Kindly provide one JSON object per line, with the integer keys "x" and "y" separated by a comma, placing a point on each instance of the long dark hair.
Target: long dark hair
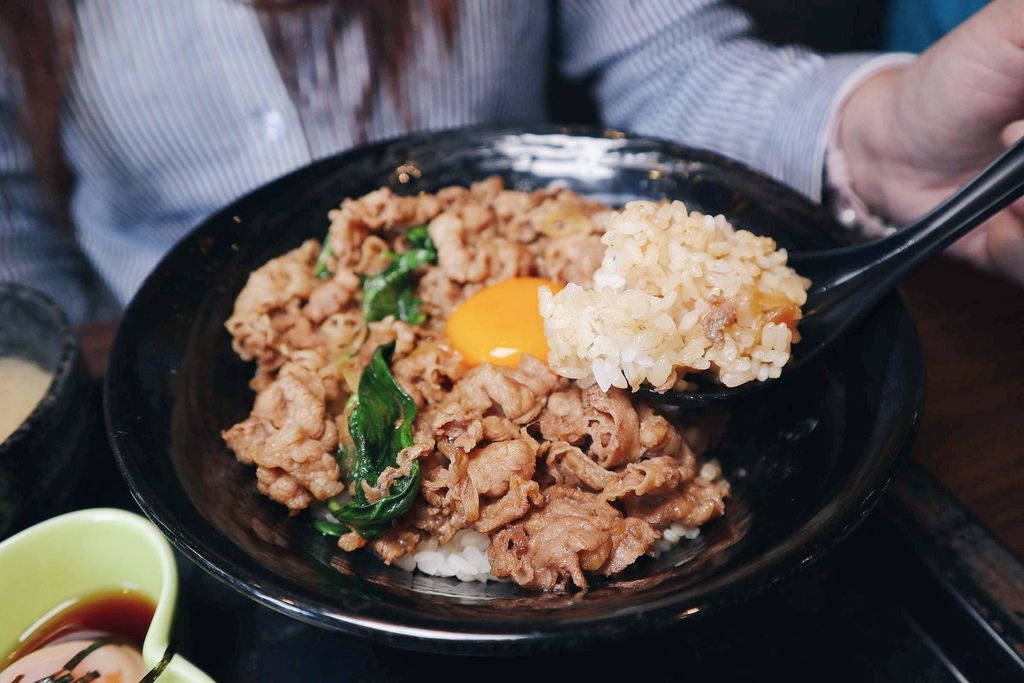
{"x": 38, "y": 37}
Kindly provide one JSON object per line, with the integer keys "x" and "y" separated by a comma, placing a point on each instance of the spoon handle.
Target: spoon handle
{"x": 874, "y": 268}
{"x": 995, "y": 188}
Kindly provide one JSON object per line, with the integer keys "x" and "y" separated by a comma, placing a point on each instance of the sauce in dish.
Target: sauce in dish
{"x": 22, "y": 385}
{"x": 110, "y": 628}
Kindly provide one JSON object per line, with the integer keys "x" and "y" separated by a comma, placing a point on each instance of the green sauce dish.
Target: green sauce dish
{"x": 49, "y": 567}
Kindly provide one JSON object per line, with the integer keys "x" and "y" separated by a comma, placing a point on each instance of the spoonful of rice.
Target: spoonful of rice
{"x": 693, "y": 311}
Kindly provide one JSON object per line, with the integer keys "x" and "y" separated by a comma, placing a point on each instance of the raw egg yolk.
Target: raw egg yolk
{"x": 500, "y": 323}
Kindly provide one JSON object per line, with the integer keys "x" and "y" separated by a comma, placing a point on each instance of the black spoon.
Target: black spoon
{"x": 848, "y": 282}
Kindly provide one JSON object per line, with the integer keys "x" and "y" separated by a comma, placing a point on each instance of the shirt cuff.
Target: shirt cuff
{"x": 849, "y": 207}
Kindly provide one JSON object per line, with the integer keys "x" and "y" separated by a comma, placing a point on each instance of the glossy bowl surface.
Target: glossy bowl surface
{"x": 808, "y": 458}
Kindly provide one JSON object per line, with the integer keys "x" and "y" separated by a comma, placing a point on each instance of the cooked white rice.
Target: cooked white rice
{"x": 673, "y": 534}
{"x": 663, "y": 267}
{"x": 465, "y": 556}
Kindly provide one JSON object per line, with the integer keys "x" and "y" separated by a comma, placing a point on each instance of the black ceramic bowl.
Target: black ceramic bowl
{"x": 808, "y": 457}
{"x": 40, "y": 461}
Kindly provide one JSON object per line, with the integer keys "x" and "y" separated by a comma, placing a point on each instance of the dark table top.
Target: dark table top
{"x": 972, "y": 433}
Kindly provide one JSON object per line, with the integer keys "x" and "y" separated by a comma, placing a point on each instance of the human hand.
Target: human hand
{"x": 913, "y": 136}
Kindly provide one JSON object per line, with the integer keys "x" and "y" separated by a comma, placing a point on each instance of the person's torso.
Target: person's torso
{"x": 175, "y": 108}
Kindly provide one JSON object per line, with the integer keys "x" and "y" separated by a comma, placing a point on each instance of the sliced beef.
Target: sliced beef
{"x": 520, "y": 496}
{"x": 693, "y": 504}
{"x": 343, "y": 332}
{"x": 486, "y": 487}
{"x": 572, "y": 258}
{"x": 646, "y": 477}
{"x": 440, "y": 295}
{"x": 375, "y": 254}
{"x": 448, "y": 488}
{"x": 573, "y": 534}
{"x": 267, "y": 318}
{"x": 512, "y": 211}
{"x": 386, "y": 331}
{"x": 456, "y": 234}
{"x": 492, "y": 467}
{"x": 331, "y": 296}
{"x": 562, "y": 418}
{"x": 618, "y": 433}
{"x": 429, "y": 372}
{"x": 659, "y": 437}
{"x": 482, "y": 449}
{"x": 517, "y": 394}
{"x": 396, "y": 542}
{"x": 718, "y": 319}
{"x": 290, "y": 432}
{"x": 404, "y": 460}
{"x": 469, "y": 252}
{"x": 569, "y": 465}
{"x": 613, "y": 426}
{"x": 279, "y": 486}
{"x": 380, "y": 211}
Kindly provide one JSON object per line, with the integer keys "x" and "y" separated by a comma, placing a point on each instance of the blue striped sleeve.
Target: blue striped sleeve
{"x": 32, "y": 250}
{"x": 689, "y": 70}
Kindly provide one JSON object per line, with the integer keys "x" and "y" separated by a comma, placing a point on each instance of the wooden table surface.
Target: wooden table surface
{"x": 972, "y": 433}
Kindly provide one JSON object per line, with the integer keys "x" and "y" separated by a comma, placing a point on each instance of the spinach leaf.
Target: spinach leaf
{"x": 329, "y": 528}
{"x": 409, "y": 308}
{"x": 419, "y": 238}
{"x": 320, "y": 270}
{"x": 346, "y": 452}
{"x": 390, "y": 292}
{"x": 381, "y": 426}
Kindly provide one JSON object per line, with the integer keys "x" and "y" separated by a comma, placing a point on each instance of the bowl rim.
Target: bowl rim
{"x": 266, "y": 587}
{"x": 62, "y": 373}
{"x": 158, "y": 635}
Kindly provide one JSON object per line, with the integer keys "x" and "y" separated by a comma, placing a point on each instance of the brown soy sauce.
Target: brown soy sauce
{"x": 123, "y": 614}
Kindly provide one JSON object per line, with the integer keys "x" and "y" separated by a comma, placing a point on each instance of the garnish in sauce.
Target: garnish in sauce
{"x": 98, "y": 638}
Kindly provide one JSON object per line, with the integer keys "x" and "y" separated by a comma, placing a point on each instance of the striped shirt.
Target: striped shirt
{"x": 175, "y": 108}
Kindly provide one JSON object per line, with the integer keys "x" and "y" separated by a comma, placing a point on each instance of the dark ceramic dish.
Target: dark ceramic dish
{"x": 808, "y": 458}
{"x": 41, "y": 459}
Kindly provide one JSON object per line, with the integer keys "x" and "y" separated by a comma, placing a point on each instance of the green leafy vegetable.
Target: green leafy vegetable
{"x": 419, "y": 238}
{"x": 390, "y": 292}
{"x": 381, "y": 426}
{"x": 329, "y": 528}
{"x": 321, "y": 270}
{"x": 346, "y": 453}
{"x": 334, "y": 507}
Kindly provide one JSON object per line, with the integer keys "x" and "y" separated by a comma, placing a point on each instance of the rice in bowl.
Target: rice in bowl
{"x": 677, "y": 292}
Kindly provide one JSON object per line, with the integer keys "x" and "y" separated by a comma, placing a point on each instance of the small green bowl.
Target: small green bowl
{"x": 87, "y": 552}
